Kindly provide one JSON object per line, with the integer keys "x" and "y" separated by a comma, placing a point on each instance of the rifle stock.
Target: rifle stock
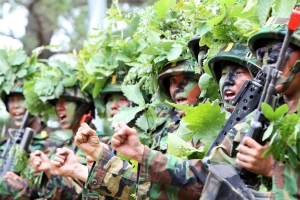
{"x": 22, "y": 137}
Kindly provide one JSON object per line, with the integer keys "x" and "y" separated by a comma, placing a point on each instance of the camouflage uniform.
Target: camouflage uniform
{"x": 20, "y": 189}
{"x": 285, "y": 180}
{"x": 160, "y": 176}
{"x": 58, "y": 187}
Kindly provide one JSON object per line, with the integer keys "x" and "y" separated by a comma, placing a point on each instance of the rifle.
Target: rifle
{"x": 259, "y": 123}
{"x": 246, "y": 100}
{"x": 23, "y": 138}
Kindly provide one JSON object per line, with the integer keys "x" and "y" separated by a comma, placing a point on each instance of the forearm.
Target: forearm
{"x": 80, "y": 172}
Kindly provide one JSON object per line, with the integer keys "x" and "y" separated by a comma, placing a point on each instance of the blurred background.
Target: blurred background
{"x": 61, "y": 23}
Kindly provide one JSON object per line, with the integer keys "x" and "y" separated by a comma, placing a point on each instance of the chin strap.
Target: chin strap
{"x": 287, "y": 80}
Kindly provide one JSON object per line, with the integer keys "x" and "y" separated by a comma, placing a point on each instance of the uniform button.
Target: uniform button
{"x": 94, "y": 182}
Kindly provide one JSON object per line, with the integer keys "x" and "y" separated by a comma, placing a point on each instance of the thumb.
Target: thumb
{"x": 126, "y": 130}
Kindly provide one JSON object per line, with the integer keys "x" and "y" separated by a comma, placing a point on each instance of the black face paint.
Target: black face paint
{"x": 180, "y": 87}
{"x": 230, "y": 79}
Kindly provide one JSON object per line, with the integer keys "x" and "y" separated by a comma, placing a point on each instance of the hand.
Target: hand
{"x": 89, "y": 160}
{"x": 16, "y": 182}
{"x": 66, "y": 164}
{"x": 126, "y": 141}
{"x": 250, "y": 158}
{"x": 40, "y": 162}
{"x": 88, "y": 141}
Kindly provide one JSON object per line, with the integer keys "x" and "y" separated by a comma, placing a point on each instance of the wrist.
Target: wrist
{"x": 97, "y": 152}
{"x": 80, "y": 172}
{"x": 140, "y": 153}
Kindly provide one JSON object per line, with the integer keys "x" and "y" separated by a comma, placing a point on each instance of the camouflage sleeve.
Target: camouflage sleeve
{"x": 58, "y": 187}
{"x": 14, "y": 189}
{"x": 286, "y": 181}
{"x": 112, "y": 176}
{"x": 165, "y": 176}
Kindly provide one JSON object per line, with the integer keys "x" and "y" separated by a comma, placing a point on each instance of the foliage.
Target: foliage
{"x": 47, "y": 85}
{"x": 142, "y": 113}
{"x": 202, "y": 122}
{"x": 283, "y": 133}
{"x": 164, "y": 34}
{"x": 15, "y": 65}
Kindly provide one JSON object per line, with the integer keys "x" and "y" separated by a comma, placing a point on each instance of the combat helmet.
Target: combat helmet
{"x": 199, "y": 52}
{"x": 16, "y": 89}
{"x": 276, "y": 29}
{"x": 236, "y": 53}
{"x": 113, "y": 85}
{"x": 183, "y": 67}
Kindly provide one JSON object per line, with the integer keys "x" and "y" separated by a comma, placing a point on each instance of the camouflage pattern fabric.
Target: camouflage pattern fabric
{"x": 225, "y": 153}
{"x": 184, "y": 67}
{"x": 157, "y": 178}
{"x": 275, "y": 29}
{"x": 58, "y": 187}
{"x": 236, "y": 53}
{"x": 15, "y": 188}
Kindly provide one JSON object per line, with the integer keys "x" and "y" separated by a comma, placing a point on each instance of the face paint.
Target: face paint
{"x": 184, "y": 90}
{"x": 290, "y": 58}
{"x": 16, "y": 108}
{"x": 233, "y": 77}
{"x": 114, "y": 102}
{"x": 65, "y": 111}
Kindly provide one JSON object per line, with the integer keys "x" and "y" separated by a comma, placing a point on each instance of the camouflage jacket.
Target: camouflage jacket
{"x": 18, "y": 188}
{"x": 159, "y": 176}
{"x": 58, "y": 187}
{"x": 225, "y": 153}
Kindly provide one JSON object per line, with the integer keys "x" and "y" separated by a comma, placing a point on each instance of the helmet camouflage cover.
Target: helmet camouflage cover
{"x": 16, "y": 89}
{"x": 275, "y": 29}
{"x": 113, "y": 85}
{"x": 184, "y": 67}
{"x": 236, "y": 53}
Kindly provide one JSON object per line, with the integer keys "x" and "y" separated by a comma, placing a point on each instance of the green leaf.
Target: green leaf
{"x": 209, "y": 88}
{"x": 283, "y": 8}
{"x": 263, "y": 10}
{"x": 126, "y": 114}
{"x": 17, "y": 57}
{"x": 180, "y": 148}
{"x": 21, "y": 73}
{"x": 163, "y": 6}
{"x": 175, "y": 52}
{"x": 206, "y": 121}
{"x": 281, "y": 111}
{"x": 214, "y": 21}
{"x": 183, "y": 132}
{"x": 268, "y": 111}
{"x": 100, "y": 83}
{"x": 184, "y": 107}
{"x": 133, "y": 93}
{"x": 268, "y": 132}
{"x": 250, "y": 4}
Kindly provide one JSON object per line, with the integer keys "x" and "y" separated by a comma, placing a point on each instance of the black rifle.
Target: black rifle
{"x": 259, "y": 123}
{"x": 246, "y": 100}
{"x": 23, "y": 138}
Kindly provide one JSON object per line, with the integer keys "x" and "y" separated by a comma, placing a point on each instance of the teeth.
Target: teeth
{"x": 229, "y": 92}
{"x": 61, "y": 115}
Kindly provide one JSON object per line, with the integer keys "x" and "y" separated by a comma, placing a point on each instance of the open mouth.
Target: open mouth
{"x": 181, "y": 100}
{"x": 62, "y": 118}
{"x": 18, "y": 115}
{"x": 228, "y": 95}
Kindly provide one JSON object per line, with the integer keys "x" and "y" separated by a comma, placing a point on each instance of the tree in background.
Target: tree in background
{"x": 66, "y": 20}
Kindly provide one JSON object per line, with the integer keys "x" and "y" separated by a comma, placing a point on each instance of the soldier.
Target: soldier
{"x": 70, "y": 108}
{"x": 266, "y": 44}
{"x": 12, "y": 185}
{"x": 15, "y": 105}
{"x": 163, "y": 173}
